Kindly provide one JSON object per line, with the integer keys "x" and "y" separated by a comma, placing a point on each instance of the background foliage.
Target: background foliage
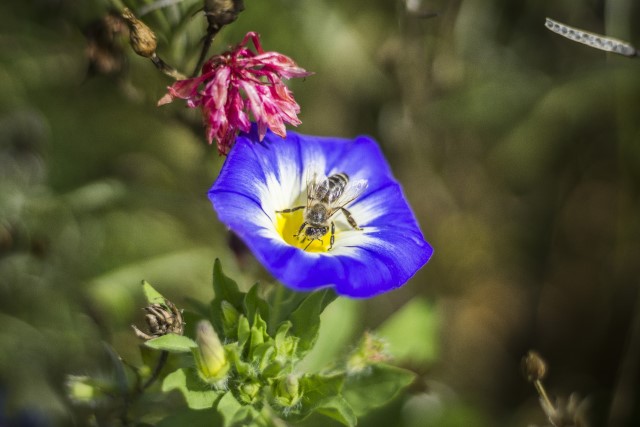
{"x": 519, "y": 151}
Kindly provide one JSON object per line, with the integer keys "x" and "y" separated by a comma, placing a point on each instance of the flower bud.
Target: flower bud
{"x": 533, "y": 367}
{"x": 83, "y": 390}
{"x": 142, "y": 39}
{"x": 370, "y": 350}
{"x": 230, "y": 317}
{"x": 210, "y": 355}
{"x": 249, "y": 392}
{"x": 287, "y": 391}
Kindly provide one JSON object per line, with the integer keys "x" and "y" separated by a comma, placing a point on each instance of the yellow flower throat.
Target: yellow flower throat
{"x": 288, "y": 224}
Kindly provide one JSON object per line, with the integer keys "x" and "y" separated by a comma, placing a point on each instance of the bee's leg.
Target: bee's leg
{"x": 352, "y": 222}
{"x": 333, "y": 235}
{"x": 304, "y": 224}
{"x": 297, "y": 208}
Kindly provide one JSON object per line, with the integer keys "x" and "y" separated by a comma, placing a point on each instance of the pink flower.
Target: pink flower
{"x": 237, "y": 83}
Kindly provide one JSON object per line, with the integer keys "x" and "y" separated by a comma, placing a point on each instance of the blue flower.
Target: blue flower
{"x": 260, "y": 179}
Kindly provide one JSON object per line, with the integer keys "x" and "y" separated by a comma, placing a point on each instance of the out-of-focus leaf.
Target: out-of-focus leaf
{"x": 375, "y": 386}
{"x": 192, "y": 418}
{"x": 412, "y": 332}
{"x": 173, "y": 343}
{"x": 337, "y": 325}
{"x": 197, "y": 394}
{"x": 306, "y": 319}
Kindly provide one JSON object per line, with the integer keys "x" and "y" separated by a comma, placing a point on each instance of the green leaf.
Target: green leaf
{"x": 253, "y": 305}
{"x": 197, "y": 394}
{"x": 225, "y": 289}
{"x": 321, "y": 394}
{"x": 228, "y": 407}
{"x": 234, "y": 413}
{"x": 338, "y": 408}
{"x": 152, "y": 296}
{"x": 283, "y": 302}
{"x": 375, "y": 386}
{"x": 173, "y": 343}
{"x": 306, "y": 319}
{"x": 412, "y": 332}
{"x": 338, "y": 324}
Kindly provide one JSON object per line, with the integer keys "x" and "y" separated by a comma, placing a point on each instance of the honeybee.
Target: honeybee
{"x": 327, "y": 196}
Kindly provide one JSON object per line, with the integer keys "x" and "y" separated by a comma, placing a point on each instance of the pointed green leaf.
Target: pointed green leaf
{"x": 152, "y": 296}
{"x": 225, "y": 289}
{"x": 375, "y": 386}
{"x": 173, "y": 343}
{"x": 412, "y": 332}
{"x": 283, "y": 302}
{"x": 197, "y": 394}
{"x": 255, "y": 305}
{"x": 306, "y": 318}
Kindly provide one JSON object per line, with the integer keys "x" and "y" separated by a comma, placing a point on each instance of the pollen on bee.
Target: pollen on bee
{"x": 288, "y": 225}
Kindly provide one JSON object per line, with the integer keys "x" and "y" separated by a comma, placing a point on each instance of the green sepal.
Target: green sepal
{"x": 286, "y": 345}
{"x": 197, "y": 394}
{"x": 244, "y": 331}
{"x": 375, "y": 386}
{"x": 173, "y": 343}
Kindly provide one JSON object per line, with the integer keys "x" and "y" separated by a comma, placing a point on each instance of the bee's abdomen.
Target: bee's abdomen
{"x": 337, "y": 183}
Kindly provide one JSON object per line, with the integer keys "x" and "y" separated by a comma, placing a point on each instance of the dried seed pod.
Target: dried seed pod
{"x": 534, "y": 367}
{"x": 161, "y": 319}
{"x": 142, "y": 38}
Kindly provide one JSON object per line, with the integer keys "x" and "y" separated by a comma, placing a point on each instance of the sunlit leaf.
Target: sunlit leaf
{"x": 173, "y": 343}
{"x": 375, "y": 386}
{"x": 412, "y": 332}
{"x": 197, "y": 394}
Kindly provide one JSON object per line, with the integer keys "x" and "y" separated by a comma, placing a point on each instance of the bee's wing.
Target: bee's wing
{"x": 352, "y": 191}
{"x": 316, "y": 179}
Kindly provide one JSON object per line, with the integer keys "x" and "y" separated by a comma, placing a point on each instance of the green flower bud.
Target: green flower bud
{"x": 370, "y": 350}
{"x": 230, "y": 317}
{"x": 287, "y": 391}
{"x": 83, "y": 390}
{"x": 210, "y": 356}
{"x": 249, "y": 392}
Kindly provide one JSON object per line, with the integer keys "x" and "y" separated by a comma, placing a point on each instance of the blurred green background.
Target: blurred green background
{"x": 518, "y": 150}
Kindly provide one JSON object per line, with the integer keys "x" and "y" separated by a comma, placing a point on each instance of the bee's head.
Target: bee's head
{"x": 316, "y": 232}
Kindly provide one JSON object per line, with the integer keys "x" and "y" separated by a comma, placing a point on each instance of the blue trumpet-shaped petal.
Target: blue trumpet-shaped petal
{"x": 260, "y": 179}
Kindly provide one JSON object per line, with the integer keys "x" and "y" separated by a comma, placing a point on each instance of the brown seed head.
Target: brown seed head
{"x": 161, "y": 319}
{"x": 534, "y": 367}
{"x": 142, "y": 39}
